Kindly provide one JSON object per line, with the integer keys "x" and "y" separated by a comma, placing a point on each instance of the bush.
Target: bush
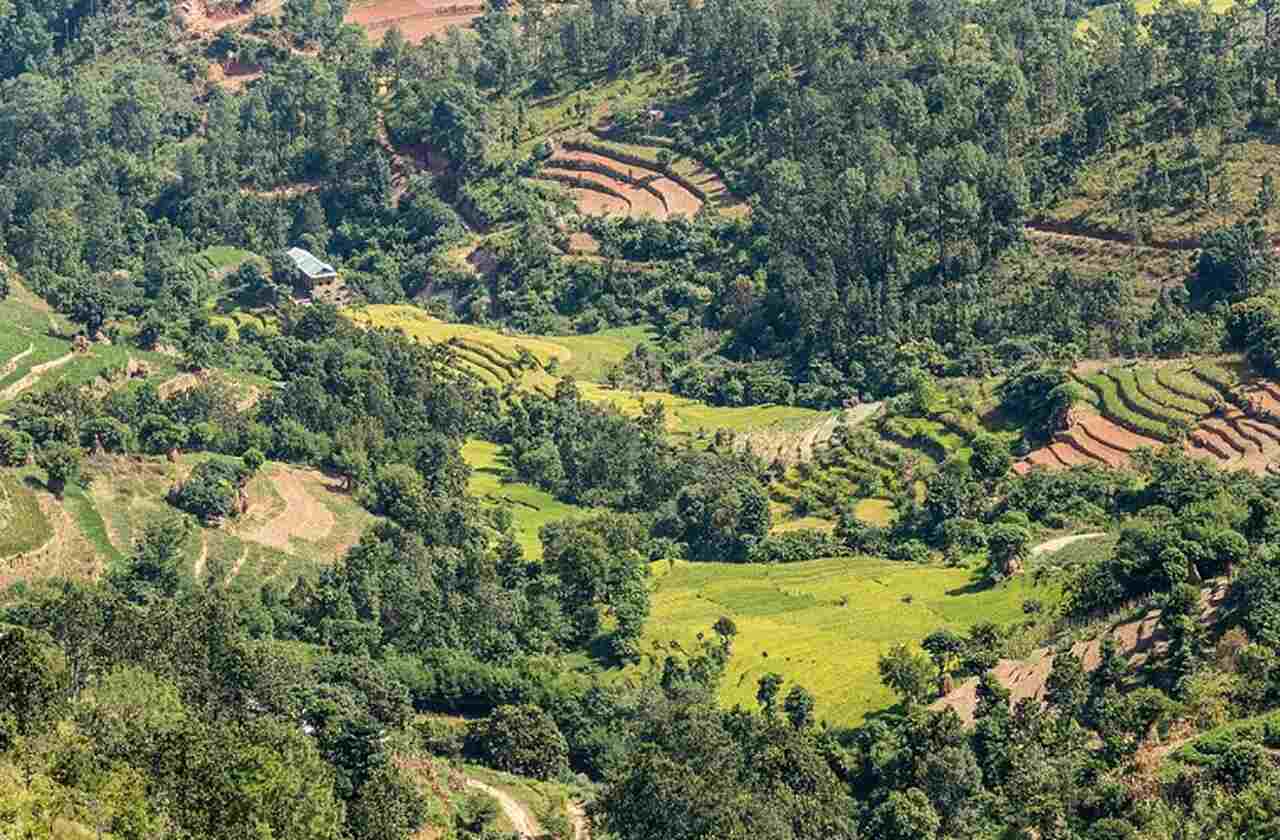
{"x": 212, "y": 492}
{"x": 523, "y": 740}
{"x": 795, "y": 547}
{"x": 15, "y": 447}
{"x": 62, "y": 462}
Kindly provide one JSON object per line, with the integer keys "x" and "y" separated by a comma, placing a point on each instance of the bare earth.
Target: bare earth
{"x": 525, "y": 825}
{"x": 303, "y": 516}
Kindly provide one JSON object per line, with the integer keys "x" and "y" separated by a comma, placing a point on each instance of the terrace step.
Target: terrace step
{"x": 1223, "y": 432}
{"x": 1211, "y": 444}
{"x": 1238, "y": 424}
{"x": 1261, "y": 428}
{"x": 1069, "y": 455}
{"x": 1098, "y": 452}
{"x": 1113, "y": 436}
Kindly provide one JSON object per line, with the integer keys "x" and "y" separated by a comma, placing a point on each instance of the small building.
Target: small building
{"x": 315, "y": 270}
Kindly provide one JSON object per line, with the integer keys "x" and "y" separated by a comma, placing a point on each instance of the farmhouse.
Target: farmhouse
{"x": 315, "y": 270}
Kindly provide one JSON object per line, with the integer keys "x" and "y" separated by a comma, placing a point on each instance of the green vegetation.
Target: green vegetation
{"x": 790, "y": 619}
{"x": 1117, "y": 409}
{"x": 25, "y": 526}
{"x": 531, "y": 508}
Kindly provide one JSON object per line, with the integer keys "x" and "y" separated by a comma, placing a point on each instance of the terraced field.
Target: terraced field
{"x": 791, "y": 617}
{"x": 492, "y": 358}
{"x": 1202, "y": 406}
{"x": 612, "y": 178}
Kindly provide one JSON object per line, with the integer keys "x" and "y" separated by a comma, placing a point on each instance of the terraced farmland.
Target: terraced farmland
{"x": 1201, "y": 406}
{"x": 611, "y": 178}
{"x": 493, "y": 358}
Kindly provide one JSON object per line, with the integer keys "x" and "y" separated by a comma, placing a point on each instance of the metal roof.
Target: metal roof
{"x": 309, "y": 265}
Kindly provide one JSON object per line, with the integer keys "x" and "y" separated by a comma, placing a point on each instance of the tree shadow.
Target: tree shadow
{"x": 979, "y": 583}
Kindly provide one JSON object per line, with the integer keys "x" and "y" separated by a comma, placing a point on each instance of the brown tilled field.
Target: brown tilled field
{"x": 621, "y": 187}
{"x": 416, "y": 19}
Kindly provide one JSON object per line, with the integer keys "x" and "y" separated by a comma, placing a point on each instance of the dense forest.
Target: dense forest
{"x": 890, "y": 169}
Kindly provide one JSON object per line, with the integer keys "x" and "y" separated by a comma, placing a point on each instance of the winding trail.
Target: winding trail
{"x": 12, "y": 365}
{"x": 1050, "y": 546}
{"x": 518, "y": 815}
{"x": 33, "y": 376}
{"x": 197, "y": 571}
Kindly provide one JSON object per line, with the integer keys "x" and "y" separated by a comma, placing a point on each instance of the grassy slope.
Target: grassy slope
{"x": 790, "y": 620}
{"x": 531, "y": 508}
{"x": 582, "y": 355}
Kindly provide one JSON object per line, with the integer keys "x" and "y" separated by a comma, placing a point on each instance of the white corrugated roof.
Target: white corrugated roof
{"x": 309, "y": 265}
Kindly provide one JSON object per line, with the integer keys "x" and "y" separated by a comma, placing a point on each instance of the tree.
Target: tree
{"x": 767, "y": 690}
{"x": 154, "y": 569}
{"x": 387, "y": 807}
{"x": 991, "y": 458}
{"x": 905, "y": 815}
{"x": 909, "y": 675}
{"x": 61, "y": 463}
{"x": 30, "y": 679}
{"x": 799, "y": 707}
{"x": 523, "y": 740}
{"x": 1007, "y": 548}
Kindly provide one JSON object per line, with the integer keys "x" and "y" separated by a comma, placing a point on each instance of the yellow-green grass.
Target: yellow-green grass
{"x": 593, "y": 354}
{"x": 874, "y": 511}
{"x": 558, "y": 113}
{"x": 24, "y": 526}
{"x": 219, "y": 257}
{"x": 417, "y": 323}
{"x": 784, "y": 522}
{"x": 823, "y": 624}
{"x": 531, "y": 508}
{"x": 589, "y": 354}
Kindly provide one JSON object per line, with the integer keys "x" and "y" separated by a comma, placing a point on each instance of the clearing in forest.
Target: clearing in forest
{"x": 531, "y": 508}
{"x": 823, "y": 624}
{"x": 416, "y": 19}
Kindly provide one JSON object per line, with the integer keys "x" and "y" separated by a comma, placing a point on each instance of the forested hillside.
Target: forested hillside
{"x": 639, "y": 420}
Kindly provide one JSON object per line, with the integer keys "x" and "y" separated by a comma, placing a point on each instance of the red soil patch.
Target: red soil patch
{"x": 1109, "y": 434}
{"x": 593, "y": 203}
{"x": 1135, "y": 642}
{"x": 583, "y": 243}
{"x": 643, "y": 201}
{"x": 416, "y": 19}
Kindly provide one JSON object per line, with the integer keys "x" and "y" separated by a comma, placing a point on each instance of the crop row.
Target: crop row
{"x": 495, "y": 357}
{"x": 470, "y": 359}
{"x": 1138, "y": 403}
{"x": 1151, "y": 388}
{"x": 1179, "y": 380}
{"x": 1118, "y": 412}
{"x": 1222, "y": 380}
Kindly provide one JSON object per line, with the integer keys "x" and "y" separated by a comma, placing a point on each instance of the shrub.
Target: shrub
{"x": 212, "y": 492}
{"x": 15, "y": 447}
{"x": 523, "y": 740}
{"x": 61, "y": 462}
{"x": 794, "y": 547}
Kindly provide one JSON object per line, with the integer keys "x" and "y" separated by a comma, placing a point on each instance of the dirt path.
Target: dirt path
{"x": 33, "y": 376}
{"x": 1050, "y": 546}
{"x": 235, "y": 570}
{"x": 303, "y": 515}
{"x": 581, "y": 825}
{"x": 197, "y": 571}
{"x": 12, "y": 365}
{"x": 1067, "y": 230}
{"x": 518, "y": 815}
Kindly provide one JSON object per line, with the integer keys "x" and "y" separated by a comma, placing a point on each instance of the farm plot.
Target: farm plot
{"x": 416, "y": 19}
{"x": 617, "y": 174}
{"x": 788, "y": 616}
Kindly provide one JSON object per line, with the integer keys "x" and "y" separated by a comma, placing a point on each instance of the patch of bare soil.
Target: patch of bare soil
{"x": 303, "y": 516}
{"x": 1136, "y": 641}
{"x": 518, "y": 815}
